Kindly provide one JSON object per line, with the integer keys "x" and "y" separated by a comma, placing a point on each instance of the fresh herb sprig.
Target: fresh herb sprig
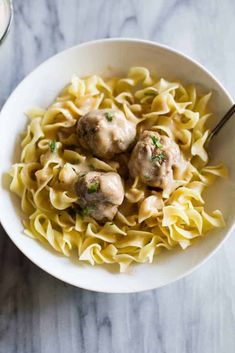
{"x": 156, "y": 141}
{"x": 109, "y": 116}
{"x": 159, "y": 157}
{"x": 86, "y": 211}
{"x": 52, "y": 145}
{"x": 93, "y": 187}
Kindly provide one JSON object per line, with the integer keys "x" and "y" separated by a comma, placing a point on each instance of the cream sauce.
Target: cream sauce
{"x": 154, "y": 160}
{"x": 105, "y": 132}
{"x": 101, "y": 193}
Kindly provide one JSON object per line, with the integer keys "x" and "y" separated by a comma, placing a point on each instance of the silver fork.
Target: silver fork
{"x": 221, "y": 123}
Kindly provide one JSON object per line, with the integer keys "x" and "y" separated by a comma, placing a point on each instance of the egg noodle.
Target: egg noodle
{"x": 148, "y": 220}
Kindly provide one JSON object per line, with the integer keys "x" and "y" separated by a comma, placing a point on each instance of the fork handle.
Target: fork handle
{"x": 221, "y": 123}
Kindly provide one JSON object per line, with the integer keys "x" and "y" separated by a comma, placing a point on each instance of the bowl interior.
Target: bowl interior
{"x": 112, "y": 57}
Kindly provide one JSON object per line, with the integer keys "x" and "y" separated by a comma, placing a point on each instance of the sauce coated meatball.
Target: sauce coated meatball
{"x": 100, "y": 194}
{"x": 105, "y": 132}
{"x": 154, "y": 158}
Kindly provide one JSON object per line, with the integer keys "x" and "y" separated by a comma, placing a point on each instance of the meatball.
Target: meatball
{"x": 154, "y": 158}
{"x": 100, "y": 194}
{"x": 105, "y": 132}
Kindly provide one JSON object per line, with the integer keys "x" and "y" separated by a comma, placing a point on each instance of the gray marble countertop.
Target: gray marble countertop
{"x": 42, "y": 315}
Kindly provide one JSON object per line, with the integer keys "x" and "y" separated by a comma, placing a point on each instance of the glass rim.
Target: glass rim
{"x": 5, "y": 33}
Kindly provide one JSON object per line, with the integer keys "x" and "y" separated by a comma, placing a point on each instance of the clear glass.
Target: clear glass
{"x": 6, "y": 15}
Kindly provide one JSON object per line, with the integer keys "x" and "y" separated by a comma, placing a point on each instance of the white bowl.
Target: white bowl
{"x": 105, "y": 57}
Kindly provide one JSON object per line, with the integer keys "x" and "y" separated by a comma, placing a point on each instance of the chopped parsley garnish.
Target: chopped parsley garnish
{"x": 159, "y": 157}
{"x": 86, "y": 211}
{"x": 93, "y": 187}
{"x": 155, "y": 141}
{"x": 52, "y": 145}
{"x": 109, "y": 116}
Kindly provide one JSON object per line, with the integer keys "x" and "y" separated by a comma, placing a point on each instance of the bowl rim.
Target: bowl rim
{"x": 87, "y": 44}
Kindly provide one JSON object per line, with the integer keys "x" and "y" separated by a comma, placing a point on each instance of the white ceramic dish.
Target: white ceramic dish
{"x": 106, "y": 57}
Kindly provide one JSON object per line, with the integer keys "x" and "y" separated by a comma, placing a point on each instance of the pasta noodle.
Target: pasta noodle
{"x": 149, "y": 219}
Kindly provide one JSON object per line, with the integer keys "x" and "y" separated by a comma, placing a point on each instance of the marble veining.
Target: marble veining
{"x": 42, "y": 315}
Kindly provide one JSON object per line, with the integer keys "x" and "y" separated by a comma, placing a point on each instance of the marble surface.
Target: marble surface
{"x": 42, "y": 315}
